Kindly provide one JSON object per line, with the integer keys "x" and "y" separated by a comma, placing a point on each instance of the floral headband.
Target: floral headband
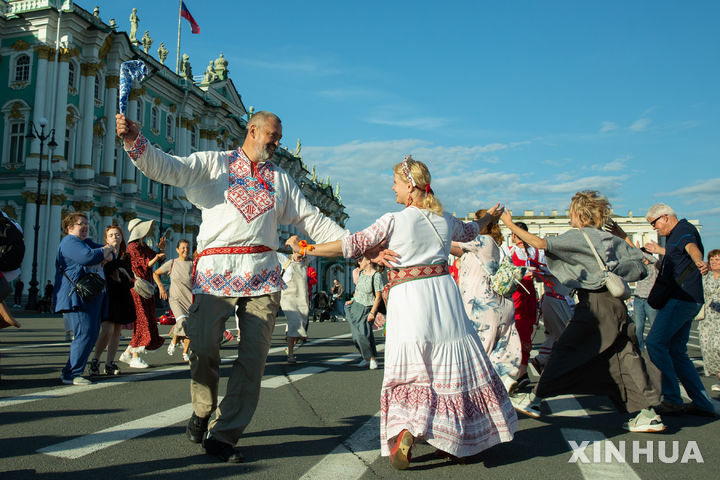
{"x": 408, "y": 175}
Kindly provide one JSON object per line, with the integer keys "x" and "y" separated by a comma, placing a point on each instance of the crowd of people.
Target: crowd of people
{"x": 457, "y": 350}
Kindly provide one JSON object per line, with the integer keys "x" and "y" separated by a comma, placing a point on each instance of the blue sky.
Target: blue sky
{"x": 521, "y": 102}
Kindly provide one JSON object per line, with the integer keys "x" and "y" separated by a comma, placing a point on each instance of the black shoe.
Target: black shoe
{"x": 537, "y": 365}
{"x": 224, "y": 451}
{"x": 94, "y": 367}
{"x": 523, "y": 381}
{"x": 692, "y": 409}
{"x": 197, "y": 428}
{"x": 667, "y": 408}
{"x": 112, "y": 369}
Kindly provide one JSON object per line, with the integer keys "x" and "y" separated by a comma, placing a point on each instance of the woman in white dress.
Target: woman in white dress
{"x": 439, "y": 385}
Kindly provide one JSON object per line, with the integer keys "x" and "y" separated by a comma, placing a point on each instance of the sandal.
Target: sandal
{"x": 400, "y": 454}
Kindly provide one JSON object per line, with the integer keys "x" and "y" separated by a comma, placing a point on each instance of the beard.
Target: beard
{"x": 263, "y": 153}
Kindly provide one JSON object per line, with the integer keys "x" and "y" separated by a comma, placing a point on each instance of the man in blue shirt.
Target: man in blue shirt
{"x": 667, "y": 341}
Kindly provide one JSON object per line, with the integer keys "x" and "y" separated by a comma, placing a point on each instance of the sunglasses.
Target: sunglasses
{"x": 652, "y": 224}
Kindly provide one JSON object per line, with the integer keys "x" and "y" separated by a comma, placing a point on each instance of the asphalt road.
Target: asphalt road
{"x": 316, "y": 419}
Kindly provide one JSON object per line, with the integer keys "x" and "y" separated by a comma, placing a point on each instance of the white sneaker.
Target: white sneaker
{"x": 715, "y": 387}
{"x": 171, "y": 349}
{"x": 647, "y": 421}
{"x": 125, "y": 357}
{"x": 81, "y": 381}
{"x": 186, "y": 357}
{"x": 138, "y": 362}
{"x": 373, "y": 364}
{"x": 363, "y": 363}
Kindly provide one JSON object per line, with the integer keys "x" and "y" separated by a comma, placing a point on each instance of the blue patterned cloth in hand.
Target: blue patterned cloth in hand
{"x": 130, "y": 71}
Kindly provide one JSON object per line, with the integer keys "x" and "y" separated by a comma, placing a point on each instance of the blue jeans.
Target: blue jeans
{"x": 642, "y": 311}
{"x": 667, "y": 347}
{"x": 85, "y": 325}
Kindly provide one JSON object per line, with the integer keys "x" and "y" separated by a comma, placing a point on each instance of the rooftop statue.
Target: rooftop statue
{"x": 185, "y": 68}
{"x": 209, "y": 73}
{"x": 147, "y": 41}
{"x": 162, "y": 53}
{"x": 297, "y": 148}
{"x": 134, "y": 20}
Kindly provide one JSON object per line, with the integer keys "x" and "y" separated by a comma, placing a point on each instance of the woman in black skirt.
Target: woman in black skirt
{"x": 597, "y": 353}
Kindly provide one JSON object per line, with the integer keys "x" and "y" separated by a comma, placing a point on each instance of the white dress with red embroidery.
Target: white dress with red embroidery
{"x": 438, "y": 383}
{"x": 240, "y": 207}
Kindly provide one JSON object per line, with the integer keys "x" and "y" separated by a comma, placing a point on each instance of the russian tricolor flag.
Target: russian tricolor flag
{"x": 186, "y": 15}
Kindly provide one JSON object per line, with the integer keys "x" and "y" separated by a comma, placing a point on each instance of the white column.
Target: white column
{"x": 83, "y": 165}
{"x": 111, "y": 82}
{"x": 29, "y": 234}
{"x": 60, "y": 123}
{"x": 54, "y": 239}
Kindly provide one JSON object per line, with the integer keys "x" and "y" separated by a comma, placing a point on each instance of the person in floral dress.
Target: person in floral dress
{"x": 709, "y": 327}
{"x": 142, "y": 258}
{"x": 491, "y": 313}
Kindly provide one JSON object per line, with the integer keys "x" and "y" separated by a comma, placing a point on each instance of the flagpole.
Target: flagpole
{"x": 177, "y": 61}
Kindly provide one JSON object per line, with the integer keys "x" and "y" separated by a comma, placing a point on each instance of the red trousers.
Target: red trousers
{"x": 525, "y": 316}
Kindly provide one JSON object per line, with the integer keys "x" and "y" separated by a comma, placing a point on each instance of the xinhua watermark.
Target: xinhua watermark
{"x": 607, "y": 451}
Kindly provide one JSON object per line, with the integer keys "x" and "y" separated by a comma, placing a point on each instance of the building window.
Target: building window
{"x": 194, "y": 137}
{"x": 22, "y": 68}
{"x": 16, "y": 114}
{"x": 169, "y": 126}
{"x": 98, "y": 88}
{"x": 71, "y": 75}
{"x": 154, "y": 114}
{"x": 17, "y": 142}
{"x": 138, "y": 111}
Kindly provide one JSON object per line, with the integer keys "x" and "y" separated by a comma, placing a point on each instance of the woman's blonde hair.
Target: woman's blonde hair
{"x": 492, "y": 228}
{"x": 590, "y": 208}
{"x": 421, "y": 175}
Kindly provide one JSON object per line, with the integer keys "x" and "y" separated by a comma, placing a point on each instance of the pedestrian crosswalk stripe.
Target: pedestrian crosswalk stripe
{"x": 123, "y": 379}
{"x": 87, "y": 444}
{"x": 568, "y": 406}
{"x": 350, "y": 459}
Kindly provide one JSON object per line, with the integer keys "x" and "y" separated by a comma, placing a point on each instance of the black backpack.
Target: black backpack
{"x": 12, "y": 245}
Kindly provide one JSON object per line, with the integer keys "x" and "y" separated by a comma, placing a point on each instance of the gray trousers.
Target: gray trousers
{"x": 362, "y": 334}
{"x": 205, "y": 325}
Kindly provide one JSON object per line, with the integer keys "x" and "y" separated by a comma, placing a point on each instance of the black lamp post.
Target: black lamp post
{"x": 33, "y": 134}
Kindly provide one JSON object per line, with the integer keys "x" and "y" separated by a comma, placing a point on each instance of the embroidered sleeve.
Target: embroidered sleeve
{"x": 138, "y": 147}
{"x": 463, "y": 232}
{"x": 355, "y": 245}
{"x": 296, "y": 210}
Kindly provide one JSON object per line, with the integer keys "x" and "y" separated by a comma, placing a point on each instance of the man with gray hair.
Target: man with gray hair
{"x": 666, "y": 343}
{"x": 243, "y": 197}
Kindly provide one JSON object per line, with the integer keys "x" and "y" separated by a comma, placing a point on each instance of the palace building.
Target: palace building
{"x": 61, "y": 67}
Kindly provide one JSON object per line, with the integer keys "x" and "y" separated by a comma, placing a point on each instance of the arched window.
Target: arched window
{"x": 169, "y": 126}
{"x": 154, "y": 117}
{"x": 22, "y": 68}
{"x": 16, "y": 114}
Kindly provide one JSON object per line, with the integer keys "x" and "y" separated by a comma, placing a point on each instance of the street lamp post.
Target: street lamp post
{"x": 33, "y": 134}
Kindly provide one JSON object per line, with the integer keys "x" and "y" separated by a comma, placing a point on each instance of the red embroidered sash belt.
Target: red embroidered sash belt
{"x": 396, "y": 276}
{"x": 227, "y": 251}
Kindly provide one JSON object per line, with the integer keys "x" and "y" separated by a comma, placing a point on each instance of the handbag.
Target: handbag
{"x": 506, "y": 279}
{"x": 663, "y": 287}
{"x": 88, "y": 286}
{"x": 144, "y": 288}
{"x": 616, "y": 285}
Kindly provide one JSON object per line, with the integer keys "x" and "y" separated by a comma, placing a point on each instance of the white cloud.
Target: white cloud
{"x": 422, "y": 123}
{"x": 462, "y": 177}
{"x": 710, "y": 188}
{"x": 641, "y": 124}
{"x": 608, "y": 127}
{"x": 616, "y": 165}
{"x": 308, "y": 66}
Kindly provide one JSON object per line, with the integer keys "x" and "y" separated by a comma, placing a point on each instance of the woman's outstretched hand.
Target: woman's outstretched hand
{"x": 381, "y": 256}
{"x": 294, "y": 243}
{"x": 505, "y": 217}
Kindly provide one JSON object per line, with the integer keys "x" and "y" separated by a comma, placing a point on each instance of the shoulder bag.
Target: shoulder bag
{"x": 616, "y": 285}
{"x": 663, "y": 286}
{"x": 88, "y": 286}
{"x": 144, "y": 288}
